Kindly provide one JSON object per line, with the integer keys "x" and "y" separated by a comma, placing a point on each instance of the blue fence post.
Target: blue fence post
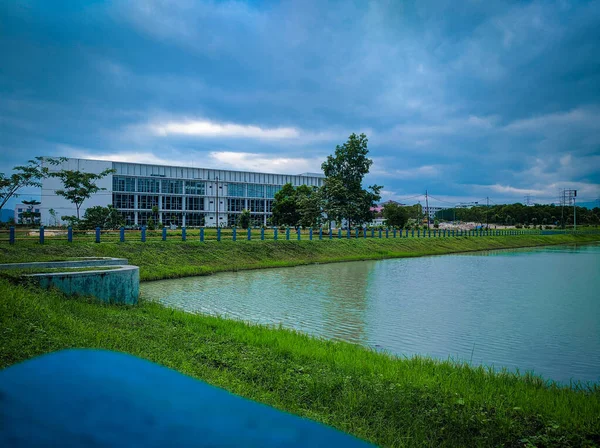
{"x": 41, "y": 234}
{"x": 201, "y": 234}
{"x": 428, "y": 233}
{"x": 122, "y": 234}
{"x": 183, "y": 234}
{"x": 298, "y": 233}
{"x": 164, "y": 234}
{"x": 320, "y": 233}
{"x": 11, "y": 235}
{"x": 394, "y": 232}
{"x": 339, "y": 233}
{"x": 418, "y": 233}
{"x": 348, "y": 233}
{"x": 287, "y": 233}
{"x": 262, "y": 233}
{"x": 310, "y": 232}
{"x": 330, "y": 233}
{"x": 70, "y": 234}
{"x": 275, "y": 233}
{"x": 372, "y": 233}
{"x": 143, "y": 234}
{"x": 387, "y": 232}
{"x": 356, "y": 232}
{"x": 364, "y": 229}
{"x": 218, "y": 233}
{"x": 380, "y": 233}
{"x": 234, "y": 235}
{"x": 249, "y": 233}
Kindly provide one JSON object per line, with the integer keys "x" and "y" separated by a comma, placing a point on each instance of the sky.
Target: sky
{"x": 467, "y": 100}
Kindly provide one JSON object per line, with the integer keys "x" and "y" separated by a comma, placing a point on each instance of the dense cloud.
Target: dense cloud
{"x": 467, "y": 99}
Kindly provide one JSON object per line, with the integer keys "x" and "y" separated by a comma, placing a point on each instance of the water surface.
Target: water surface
{"x": 534, "y": 309}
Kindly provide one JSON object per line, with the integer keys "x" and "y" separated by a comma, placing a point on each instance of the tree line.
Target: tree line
{"x": 520, "y": 214}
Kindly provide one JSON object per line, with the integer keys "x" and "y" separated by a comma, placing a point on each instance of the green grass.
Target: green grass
{"x": 158, "y": 259}
{"x": 386, "y": 400}
{"x": 380, "y": 398}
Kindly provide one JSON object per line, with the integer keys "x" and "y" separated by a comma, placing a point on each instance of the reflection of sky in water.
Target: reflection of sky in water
{"x": 532, "y": 309}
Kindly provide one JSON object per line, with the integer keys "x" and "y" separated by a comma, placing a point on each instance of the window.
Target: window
{"x": 123, "y": 183}
{"x": 269, "y": 207}
{"x": 193, "y": 187}
{"x": 146, "y": 185}
{"x": 146, "y": 202}
{"x": 238, "y": 190}
{"x": 256, "y": 220}
{"x": 123, "y": 200}
{"x": 235, "y": 205}
{"x": 256, "y": 191}
{"x": 172, "y": 203}
{"x": 172, "y": 186}
{"x": 272, "y": 190}
{"x": 194, "y": 219}
{"x": 20, "y": 209}
{"x": 256, "y": 205}
{"x": 194, "y": 203}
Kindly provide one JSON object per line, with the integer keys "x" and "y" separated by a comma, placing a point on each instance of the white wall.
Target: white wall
{"x": 63, "y": 207}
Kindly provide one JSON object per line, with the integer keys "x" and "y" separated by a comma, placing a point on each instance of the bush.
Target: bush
{"x": 519, "y": 226}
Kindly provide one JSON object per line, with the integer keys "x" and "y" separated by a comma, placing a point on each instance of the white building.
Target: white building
{"x": 24, "y": 208}
{"x": 184, "y": 196}
{"x": 432, "y": 211}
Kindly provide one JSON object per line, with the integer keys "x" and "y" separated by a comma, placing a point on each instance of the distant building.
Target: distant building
{"x": 184, "y": 196}
{"x": 21, "y": 214}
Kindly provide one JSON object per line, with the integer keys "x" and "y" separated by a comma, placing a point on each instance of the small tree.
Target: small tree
{"x": 29, "y": 216}
{"x": 54, "y": 217}
{"x": 395, "y": 215}
{"x": 103, "y": 217}
{"x": 150, "y": 224}
{"x": 79, "y": 186}
{"x": 245, "y": 219}
{"x": 155, "y": 212}
{"x": 29, "y": 175}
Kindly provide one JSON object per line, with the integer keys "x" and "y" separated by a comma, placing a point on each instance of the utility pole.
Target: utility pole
{"x": 217, "y": 209}
{"x": 486, "y": 212}
{"x": 427, "y": 208}
{"x": 574, "y": 211}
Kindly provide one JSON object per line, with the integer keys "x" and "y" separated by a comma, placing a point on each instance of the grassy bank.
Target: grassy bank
{"x": 159, "y": 259}
{"x": 389, "y": 401}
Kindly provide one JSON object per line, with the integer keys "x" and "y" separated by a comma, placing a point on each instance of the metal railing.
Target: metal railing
{"x": 69, "y": 235}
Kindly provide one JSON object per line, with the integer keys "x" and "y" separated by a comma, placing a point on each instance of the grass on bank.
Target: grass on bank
{"x": 159, "y": 260}
{"x": 388, "y": 401}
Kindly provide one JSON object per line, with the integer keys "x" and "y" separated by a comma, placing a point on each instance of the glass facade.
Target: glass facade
{"x": 256, "y": 191}
{"x": 256, "y": 205}
{"x": 190, "y": 193}
{"x": 236, "y": 205}
{"x": 194, "y": 187}
{"x": 123, "y": 183}
{"x": 170, "y": 186}
{"x": 146, "y": 202}
{"x": 237, "y": 190}
{"x": 123, "y": 200}
{"x": 272, "y": 190}
{"x": 148, "y": 185}
{"x": 172, "y": 203}
{"x": 194, "y": 203}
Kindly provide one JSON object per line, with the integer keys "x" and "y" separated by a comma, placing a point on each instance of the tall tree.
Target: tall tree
{"x": 79, "y": 185}
{"x": 343, "y": 191}
{"x": 395, "y": 215}
{"x": 29, "y": 175}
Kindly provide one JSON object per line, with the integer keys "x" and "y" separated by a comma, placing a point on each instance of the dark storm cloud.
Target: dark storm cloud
{"x": 469, "y": 100}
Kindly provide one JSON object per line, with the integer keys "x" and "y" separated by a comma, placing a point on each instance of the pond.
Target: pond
{"x": 528, "y": 309}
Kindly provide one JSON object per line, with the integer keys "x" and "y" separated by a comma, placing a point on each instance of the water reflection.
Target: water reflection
{"x": 528, "y": 309}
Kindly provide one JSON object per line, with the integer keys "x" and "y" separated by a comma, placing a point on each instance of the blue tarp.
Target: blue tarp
{"x": 100, "y": 398}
